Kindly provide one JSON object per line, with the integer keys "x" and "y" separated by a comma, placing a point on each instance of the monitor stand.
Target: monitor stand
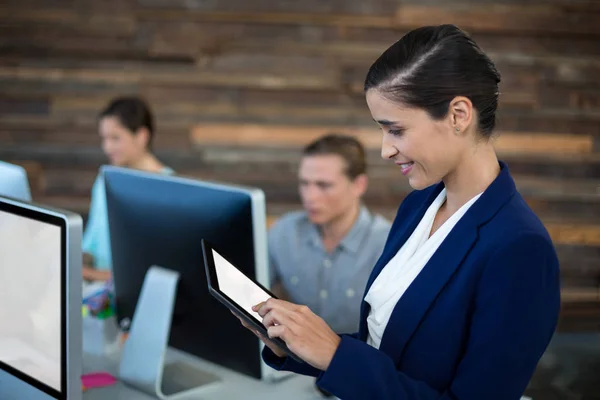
{"x": 143, "y": 363}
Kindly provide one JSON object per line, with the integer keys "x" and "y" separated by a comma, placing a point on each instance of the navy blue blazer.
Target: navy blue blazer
{"x": 473, "y": 324}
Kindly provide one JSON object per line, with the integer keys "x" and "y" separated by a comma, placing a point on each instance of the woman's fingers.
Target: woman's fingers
{"x": 272, "y": 303}
{"x": 244, "y": 323}
{"x": 262, "y": 337}
{"x": 282, "y": 316}
{"x": 279, "y": 331}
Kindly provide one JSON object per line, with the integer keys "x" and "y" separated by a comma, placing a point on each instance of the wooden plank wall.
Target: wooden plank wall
{"x": 239, "y": 87}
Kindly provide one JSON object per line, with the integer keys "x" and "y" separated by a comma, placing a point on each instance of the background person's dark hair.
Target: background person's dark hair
{"x": 345, "y": 146}
{"x": 431, "y": 65}
{"x": 133, "y": 113}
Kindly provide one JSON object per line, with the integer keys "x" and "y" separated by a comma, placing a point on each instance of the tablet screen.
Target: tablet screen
{"x": 237, "y": 286}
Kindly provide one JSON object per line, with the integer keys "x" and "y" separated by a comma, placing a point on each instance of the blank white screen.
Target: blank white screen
{"x": 237, "y": 286}
{"x": 30, "y": 288}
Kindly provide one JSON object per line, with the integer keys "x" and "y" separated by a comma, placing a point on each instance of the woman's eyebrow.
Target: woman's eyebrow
{"x": 385, "y": 122}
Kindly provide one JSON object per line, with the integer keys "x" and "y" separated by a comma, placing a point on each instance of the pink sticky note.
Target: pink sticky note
{"x": 97, "y": 379}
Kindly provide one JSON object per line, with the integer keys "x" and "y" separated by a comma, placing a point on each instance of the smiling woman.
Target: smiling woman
{"x": 126, "y": 129}
{"x": 466, "y": 294}
{"x": 430, "y": 127}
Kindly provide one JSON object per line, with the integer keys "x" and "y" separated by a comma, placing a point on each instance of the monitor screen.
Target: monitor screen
{"x": 30, "y": 298}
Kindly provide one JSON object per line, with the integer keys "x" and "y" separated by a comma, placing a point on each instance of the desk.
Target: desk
{"x": 567, "y": 370}
{"x": 237, "y": 386}
{"x": 96, "y": 333}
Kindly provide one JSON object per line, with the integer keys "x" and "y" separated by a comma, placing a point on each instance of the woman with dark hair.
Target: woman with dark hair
{"x": 126, "y": 128}
{"x": 465, "y": 296}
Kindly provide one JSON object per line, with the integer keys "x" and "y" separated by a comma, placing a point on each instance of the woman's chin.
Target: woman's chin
{"x": 419, "y": 184}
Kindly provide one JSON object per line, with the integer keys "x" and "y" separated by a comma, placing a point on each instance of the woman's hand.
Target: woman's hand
{"x": 92, "y": 274}
{"x": 264, "y": 339}
{"x": 305, "y": 333}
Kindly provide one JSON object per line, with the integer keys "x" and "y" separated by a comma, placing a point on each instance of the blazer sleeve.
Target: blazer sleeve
{"x": 515, "y": 315}
{"x": 288, "y": 364}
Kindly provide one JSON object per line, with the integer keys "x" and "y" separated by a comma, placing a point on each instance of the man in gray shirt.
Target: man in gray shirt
{"x": 322, "y": 256}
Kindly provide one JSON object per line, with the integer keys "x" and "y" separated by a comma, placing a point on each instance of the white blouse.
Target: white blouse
{"x": 406, "y": 265}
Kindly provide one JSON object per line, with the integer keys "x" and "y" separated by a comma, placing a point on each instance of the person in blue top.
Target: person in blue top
{"x": 126, "y": 128}
{"x": 465, "y": 297}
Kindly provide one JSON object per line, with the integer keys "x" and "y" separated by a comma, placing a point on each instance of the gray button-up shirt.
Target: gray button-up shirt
{"x": 330, "y": 284}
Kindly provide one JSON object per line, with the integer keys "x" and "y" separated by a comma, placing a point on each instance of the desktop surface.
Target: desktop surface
{"x": 234, "y": 385}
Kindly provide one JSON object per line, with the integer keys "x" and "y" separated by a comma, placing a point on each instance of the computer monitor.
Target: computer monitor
{"x": 157, "y": 220}
{"x": 40, "y": 302}
{"x": 13, "y": 182}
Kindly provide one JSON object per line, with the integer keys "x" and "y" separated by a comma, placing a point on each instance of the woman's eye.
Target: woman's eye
{"x": 396, "y": 132}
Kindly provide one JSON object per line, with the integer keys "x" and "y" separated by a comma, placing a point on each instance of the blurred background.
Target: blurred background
{"x": 238, "y": 87}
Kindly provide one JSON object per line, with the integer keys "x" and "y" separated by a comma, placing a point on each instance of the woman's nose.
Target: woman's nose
{"x": 387, "y": 150}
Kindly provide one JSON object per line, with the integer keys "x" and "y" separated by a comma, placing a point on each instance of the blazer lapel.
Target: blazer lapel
{"x": 394, "y": 244}
{"x": 420, "y": 295}
{"x": 412, "y": 306}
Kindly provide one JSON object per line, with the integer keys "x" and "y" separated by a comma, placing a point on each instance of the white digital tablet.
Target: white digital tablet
{"x": 238, "y": 292}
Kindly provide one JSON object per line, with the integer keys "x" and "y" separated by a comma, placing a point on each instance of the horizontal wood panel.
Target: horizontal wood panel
{"x": 552, "y": 120}
{"x": 572, "y": 234}
{"x": 586, "y": 322}
{"x": 68, "y": 114}
{"x": 581, "y": 295}
{"x": 11, "y": 105}
{"x": 579, "y": 265}
{"x": 580, "y": 312}
{"x": 99, "y": 21}
{"x": 261, "y": 6}
{"x": 582, "y": 98}
{"x": 277, "y": 136}
{"x": 563, "y": 166}
{"x": 278, "y": 18}
{"x": 172, "y": 75}
{"x": 534, "y": 19}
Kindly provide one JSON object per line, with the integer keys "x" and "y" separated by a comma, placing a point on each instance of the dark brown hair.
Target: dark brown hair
{"x": 430, "y": 66}
{"x": 133, "y": 113}
{"x": 345, "y": 146}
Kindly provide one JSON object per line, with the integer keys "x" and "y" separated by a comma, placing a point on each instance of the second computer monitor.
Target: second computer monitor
{"x": 161, "y": 220}
{"x": 14, "y": 182}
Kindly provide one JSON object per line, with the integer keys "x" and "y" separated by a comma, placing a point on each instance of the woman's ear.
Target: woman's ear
{"x": 461, "y": 114}
{"x": 142, "y": 136}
